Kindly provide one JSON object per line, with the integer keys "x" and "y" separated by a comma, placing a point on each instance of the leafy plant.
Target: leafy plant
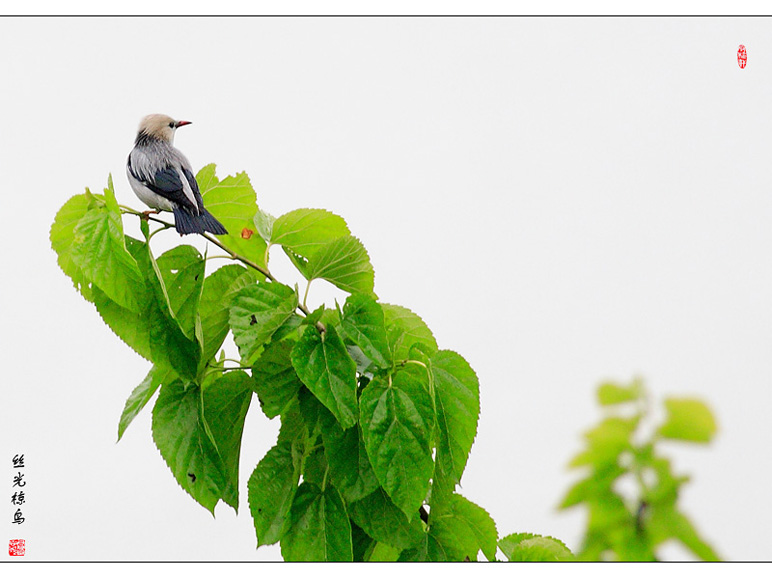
{"x": 377, "y": 421}
{"x": 630, "y": 526}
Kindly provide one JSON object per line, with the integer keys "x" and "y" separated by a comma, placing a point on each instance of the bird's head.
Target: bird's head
{"x": 159, "y": 127}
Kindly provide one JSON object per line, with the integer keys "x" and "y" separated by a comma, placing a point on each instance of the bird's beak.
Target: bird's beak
{"x": 179, "y": 124}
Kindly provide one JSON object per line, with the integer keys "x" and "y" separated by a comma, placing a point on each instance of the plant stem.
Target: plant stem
{"x": 305, "y": 295}
{"x": 208, "y": 237}
{"x": 406, "y": 362}
{"x": 265, "y": 255}
{"x": 238, "y": 257}
{"x": 141, "y": 215}
{"x": 233, "y": 255}
{"x": 164, "y": 228}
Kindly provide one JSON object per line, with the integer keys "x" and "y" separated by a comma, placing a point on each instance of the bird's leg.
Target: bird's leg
{"x": 146, "y": 214}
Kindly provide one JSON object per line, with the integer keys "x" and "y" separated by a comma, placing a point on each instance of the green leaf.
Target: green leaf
{"x": 315, "y": 316}
{"x": 249, "y": 278}
{"x": 457, "y": 395}
{"x": 610, "y": 394}
{"x": 419, "y": 553}
{"x": 234, "y": 203}
{"x": 361, "y": 544}
{"x": 313, "y": 413}
{"x": 364, "y": 324}
{"x": 154, "y": 333}
{"x": 264, "y": 224}
{"x": 62, "y": 235}
{"x": 594, "y": 548}
{"x": 630, "y": 545}
{"x": 666, "y": 522}
{"x": 99, "y": 251}
{"x": 530, "y": 547}
{"x": 274, "y": 378}
{"x": 110, "y": 201}
{"x": 293, "y": 426}
{"x": 319, "y": 529}
{"x": 450, "y": 540}
{"x": 257, "y": 311}
{"x": 344, "y": 263}
{"x": 271, "y": 490}
{"x": 142, "y": 394}
{"x": 382, "y": 520}
{"x": 207, "y": 177}
{"x": 665, "y": 489}
{"x": 688, "y": 419}
{"x": 397, "y": 422}
{"x": 366, "y": 368}
{"x": 596, "y": 486}
{"x": 307, "y": 231}
{"x": 381, "y": 552}
{"x": 331, "y": 317}
{"x": 291, "y": 329}
{"x": 300, "y": 262}
{"x": 404, "y": 330}
{"x": 226, "y": 402}
{"x": 315, "y": 466}
{"x": 169, "y": 346}
{"x": 607, "y": 512}
{"x": 180, "y": 435}
{"x": 607, "y": 441}
{"x": 214, "y": 308}
{"x": 458, "y": 530}
{"x": 324, "y": 366}
{"x": 182, "y": 270}
{"x": 131, "y": 327}
{"x": 479, "y": 524}
{"x": 350, "y": 468}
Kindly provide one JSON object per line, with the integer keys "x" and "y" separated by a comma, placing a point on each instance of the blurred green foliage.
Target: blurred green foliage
{"x": 619, "y": 454}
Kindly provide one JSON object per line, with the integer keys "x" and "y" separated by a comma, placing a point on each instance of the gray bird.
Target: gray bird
{"x": 162, "y": 177}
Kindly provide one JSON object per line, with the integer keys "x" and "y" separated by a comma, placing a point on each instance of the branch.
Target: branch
{"x": 302, "y": 307}
{"x": 233, "y": 255}
{"x": 238, "y": 257}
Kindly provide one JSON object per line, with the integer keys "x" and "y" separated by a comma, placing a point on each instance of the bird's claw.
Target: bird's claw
{"x": 146, "y": 214}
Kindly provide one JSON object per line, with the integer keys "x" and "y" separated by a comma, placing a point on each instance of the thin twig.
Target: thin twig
{"x": 240, "y": 258}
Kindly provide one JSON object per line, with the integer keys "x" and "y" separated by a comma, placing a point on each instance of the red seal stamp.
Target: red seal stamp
{"x": 742, "y": 56}
{"x": 16, "y": 547}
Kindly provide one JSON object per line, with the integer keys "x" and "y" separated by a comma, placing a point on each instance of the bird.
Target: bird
{"x": 162, "y": 177}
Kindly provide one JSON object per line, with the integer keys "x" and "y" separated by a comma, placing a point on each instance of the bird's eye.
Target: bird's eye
{"x": 171, "y": 125}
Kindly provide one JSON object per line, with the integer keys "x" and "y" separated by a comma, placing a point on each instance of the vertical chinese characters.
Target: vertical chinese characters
{"x": 17, "y": 498}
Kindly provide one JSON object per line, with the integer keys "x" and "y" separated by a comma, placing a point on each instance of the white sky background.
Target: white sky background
{"x": 563, "y": 200}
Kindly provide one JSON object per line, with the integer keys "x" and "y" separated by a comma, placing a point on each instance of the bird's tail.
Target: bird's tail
{"x": 185, "y": 222}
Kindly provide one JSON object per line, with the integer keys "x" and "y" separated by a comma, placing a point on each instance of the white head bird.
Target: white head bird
{"x": 162, "y": 177}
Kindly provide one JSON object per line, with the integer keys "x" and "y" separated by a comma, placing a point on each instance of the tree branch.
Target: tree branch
{"x": 238, "y": 257}
{"x": 233, "y": 255}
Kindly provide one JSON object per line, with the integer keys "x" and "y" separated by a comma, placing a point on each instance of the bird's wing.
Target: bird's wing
{"x": 193, "y": 185}
{"x": 166, "y": 182}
